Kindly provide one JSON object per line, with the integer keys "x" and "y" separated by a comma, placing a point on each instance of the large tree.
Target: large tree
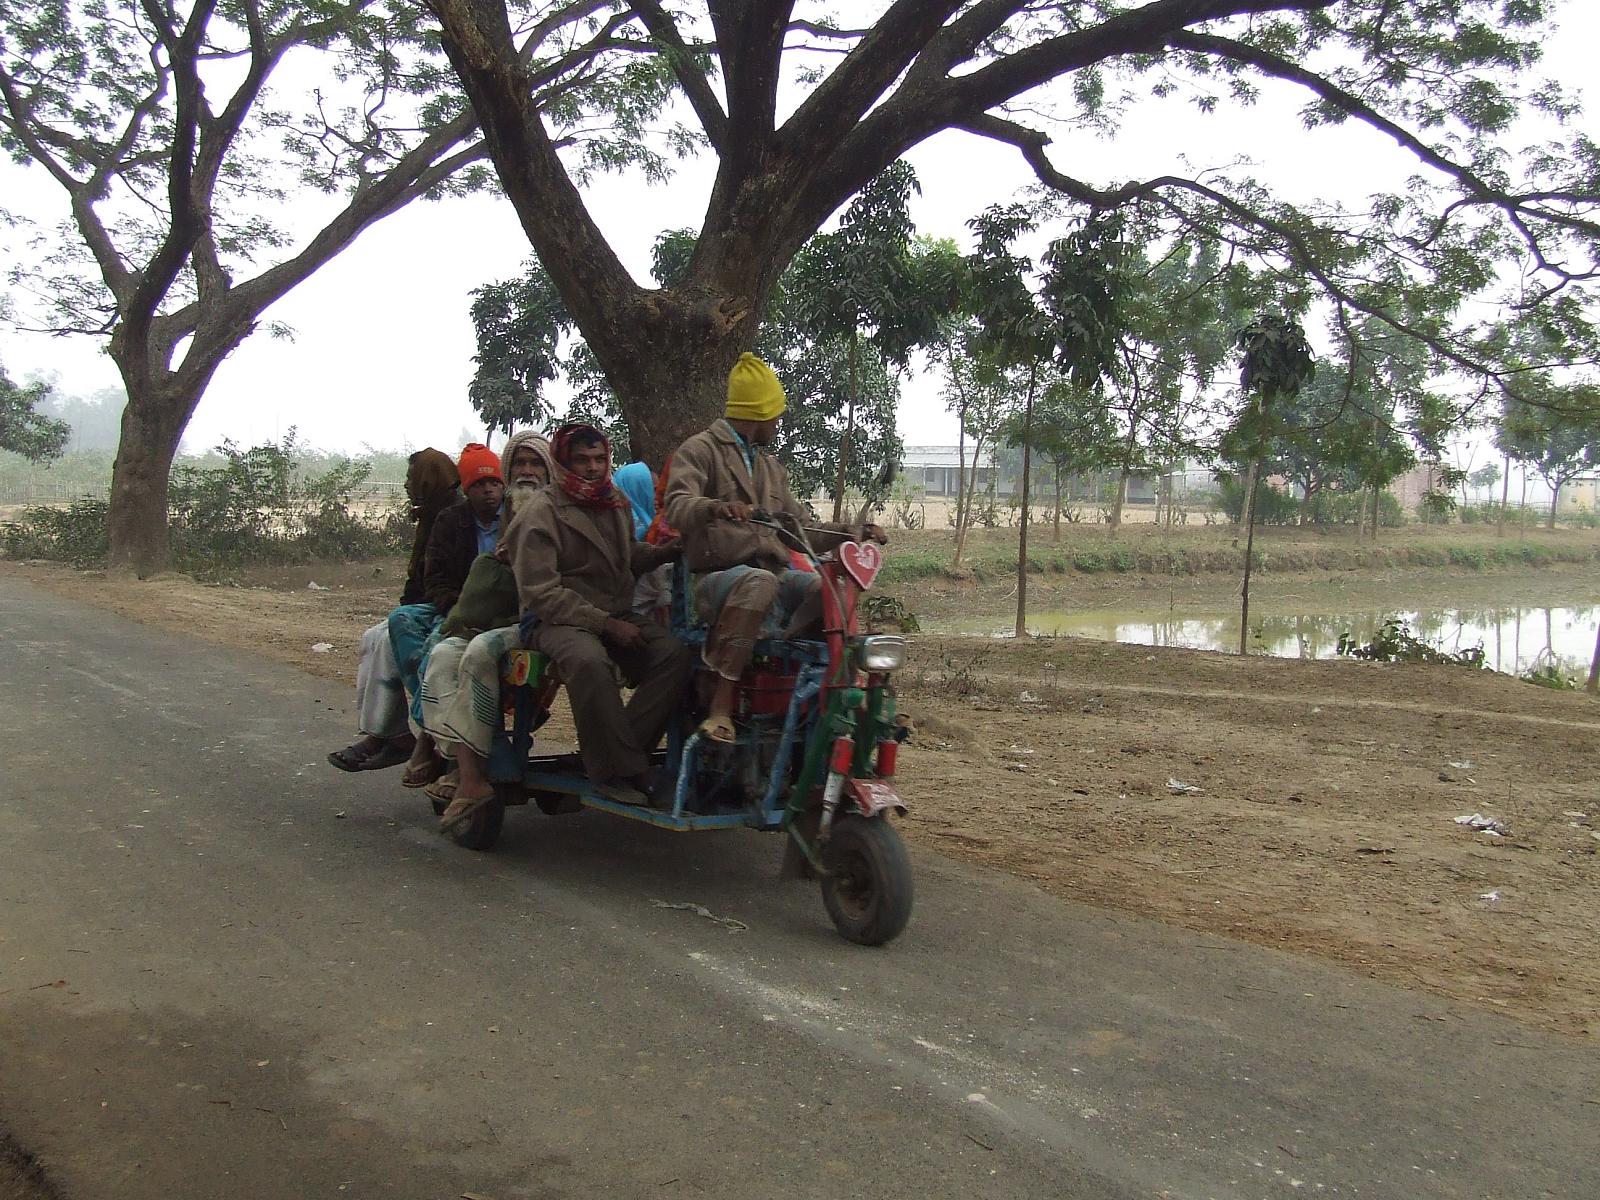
{"x": 178, "y": 136}
{"x": 530, "y": 349}
{"x": 1445, "y": 81}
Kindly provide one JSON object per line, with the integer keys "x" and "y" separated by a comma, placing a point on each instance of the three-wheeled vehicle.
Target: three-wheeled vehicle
{"x": 814, "y": 755}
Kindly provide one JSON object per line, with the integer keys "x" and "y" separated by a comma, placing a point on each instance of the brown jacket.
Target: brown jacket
{"x": 576, "y": 565}
{"x": 709, "y": 469}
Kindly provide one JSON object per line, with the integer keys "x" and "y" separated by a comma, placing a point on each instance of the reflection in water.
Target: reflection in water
{"x": 1514, "y": 640}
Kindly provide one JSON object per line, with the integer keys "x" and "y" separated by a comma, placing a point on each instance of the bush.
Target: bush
{"x": 1471, "y": 557}
{"x": 1273, "y": 506}
{"x": 256, "y": 506}
{"x": 883, "y": 611}
{"x": 1394, "y": 642}
{"x": 75, "y": 534}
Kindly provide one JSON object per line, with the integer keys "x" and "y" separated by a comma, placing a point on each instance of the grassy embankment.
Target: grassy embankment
{"x": 1145, "y": 550}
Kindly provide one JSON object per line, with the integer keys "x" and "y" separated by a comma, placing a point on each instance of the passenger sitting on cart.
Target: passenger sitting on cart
{"x": 460, "y": 699}
{"x": 743, "y": 577}
{"x": 576, "y": 560}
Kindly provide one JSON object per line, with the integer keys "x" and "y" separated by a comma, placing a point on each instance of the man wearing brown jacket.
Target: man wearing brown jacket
{"x": 575, "y": 559}
{"x": 743, "y": 577}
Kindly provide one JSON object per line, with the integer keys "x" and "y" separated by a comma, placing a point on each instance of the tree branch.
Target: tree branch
{"x": 477, "y": 40}
{"x": 692, "y": 79}
{"x": 1293, "y": 242}
{"x": 875, "y": 62}
{"x": 1477, "y": 188}
{"x": 153, "y": 283}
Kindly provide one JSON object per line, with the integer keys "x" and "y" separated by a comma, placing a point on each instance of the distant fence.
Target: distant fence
{"x": 49, "y": 491}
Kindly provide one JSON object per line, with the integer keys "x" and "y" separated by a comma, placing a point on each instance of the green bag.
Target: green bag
{"x": 488, "y": 600}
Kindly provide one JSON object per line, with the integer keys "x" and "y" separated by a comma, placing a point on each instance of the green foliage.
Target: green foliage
{"x": 259, "y": 505}
{"x": 1394, "y": 642}
{"x": 1550, "y": 675}
{"x": 871, "y": 277}
{"x": 520, "y": 324}
{"x": 1554, "y": 428}
{"x": 1276, "y": 363}
{"x": 1072, "y": 321}
{"x": 1273, "y": 506}
{"x": 25, "y": 430}
{"x": 883, "y": 611}
{"x": 75, "y": 534}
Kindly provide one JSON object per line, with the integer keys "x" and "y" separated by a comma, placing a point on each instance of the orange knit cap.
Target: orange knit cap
{"x": 478, "y": 462}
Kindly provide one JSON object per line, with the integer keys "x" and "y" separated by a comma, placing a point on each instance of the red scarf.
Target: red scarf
{"x": 659, "y": 530}
{"x": 597, "y": 494}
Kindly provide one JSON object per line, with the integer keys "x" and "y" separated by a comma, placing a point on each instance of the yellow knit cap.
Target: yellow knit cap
{"x": 754, "y": 393}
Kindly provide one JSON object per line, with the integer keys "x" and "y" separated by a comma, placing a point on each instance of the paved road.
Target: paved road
{"x": 227, "y": 970}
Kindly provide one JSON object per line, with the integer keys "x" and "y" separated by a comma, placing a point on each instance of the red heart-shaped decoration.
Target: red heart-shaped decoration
{"x": 863, "y": 560}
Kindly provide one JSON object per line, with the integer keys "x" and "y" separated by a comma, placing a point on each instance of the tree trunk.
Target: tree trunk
{"x": 152, "y": 428}
{"x": 1505, "y": 499}
{"x": 1377, "y": 511}
{"x": 1555, "y": 498}
{"x": 961, "y": 468}
{"x": 1124, "y": 470}
{"x": 849, "y": 432}
{"x": 1056, "y": 535}
{"x": 968, "y": 490}
{"x": 1593, "y": 686}
{"x": 1249, "y": 554}
{"x": 1022, "y": 532}
{"x": 1247, "y": 504}
{"x": 1361, "y": 515}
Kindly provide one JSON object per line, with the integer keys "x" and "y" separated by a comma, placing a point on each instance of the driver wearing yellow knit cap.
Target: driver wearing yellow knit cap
{"x": 744, "y": 584}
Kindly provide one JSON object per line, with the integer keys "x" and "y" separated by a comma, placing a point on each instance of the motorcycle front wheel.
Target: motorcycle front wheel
{"x": 867, "y": 889}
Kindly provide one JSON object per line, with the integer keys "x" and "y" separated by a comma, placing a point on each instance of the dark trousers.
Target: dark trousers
{"x": 616, "y": 741}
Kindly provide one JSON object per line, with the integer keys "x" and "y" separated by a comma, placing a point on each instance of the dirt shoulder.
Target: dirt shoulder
{"x": 1323, "y": 824}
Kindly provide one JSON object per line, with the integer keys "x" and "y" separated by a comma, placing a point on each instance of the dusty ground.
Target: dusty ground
{"x": 1324, "y": 823}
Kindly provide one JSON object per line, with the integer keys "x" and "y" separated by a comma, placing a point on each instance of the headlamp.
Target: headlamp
{"x": 883, "y": 652}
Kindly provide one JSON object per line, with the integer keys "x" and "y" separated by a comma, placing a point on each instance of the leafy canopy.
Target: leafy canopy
{"x": 25, "y": 430}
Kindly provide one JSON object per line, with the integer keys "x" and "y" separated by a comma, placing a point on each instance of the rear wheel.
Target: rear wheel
{"x": 867, "y": 890}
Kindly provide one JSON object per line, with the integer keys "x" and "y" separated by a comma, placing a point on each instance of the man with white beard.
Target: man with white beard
{"x": 460, "y": 691}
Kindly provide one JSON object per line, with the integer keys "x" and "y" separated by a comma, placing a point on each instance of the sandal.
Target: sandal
{"x": 422, "y": 775}
{"x": 390, "y": 754}
{"x": 451, "y": 819}
{"x": 719, "y": 729}
{"x": 442, "y": 789}
{"x": 351, "y": 758}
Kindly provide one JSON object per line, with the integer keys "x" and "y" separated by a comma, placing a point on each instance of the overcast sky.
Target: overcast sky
{"x": 382, "y": 346}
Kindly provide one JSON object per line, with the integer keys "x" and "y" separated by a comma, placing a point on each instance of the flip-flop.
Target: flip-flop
{"x": 349, "y": 759}
{"x": 719, "y": 730}
{"x": 422, "y": 776}
{"x": 446, "y": 824}
{"x": 442, "y": 789}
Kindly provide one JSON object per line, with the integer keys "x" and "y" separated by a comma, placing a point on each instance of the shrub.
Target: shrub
{"x": 882, "y": 611}
{"x": 255, "y": 506}
{"x": 1394, "y": 642}
{"x": 75, "y": 534}
{"x": 1471, "y": 557}
{"x": 1273, "y": 507}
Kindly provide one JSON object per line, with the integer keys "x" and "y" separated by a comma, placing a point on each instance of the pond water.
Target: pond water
{"x": 1515, "y": 639}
